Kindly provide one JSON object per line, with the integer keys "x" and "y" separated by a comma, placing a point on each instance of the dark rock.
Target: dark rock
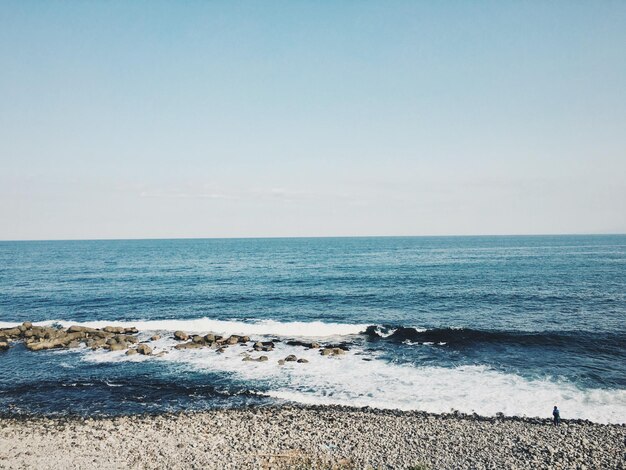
{"x": 144, "y": 349}
{"x": 181, "y": 335}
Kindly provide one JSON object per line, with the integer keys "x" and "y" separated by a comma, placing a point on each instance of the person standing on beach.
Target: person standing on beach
{"x": 556, "y": 416}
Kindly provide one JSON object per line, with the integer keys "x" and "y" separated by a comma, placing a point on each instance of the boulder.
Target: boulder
{"x": 144, "y": 349}
{"x": 131, "y": 330}
{"x": 55, "y": 342}
{"x": 244, "y": 339}
{"x": 114, "y": 329}
{"x": 85, "y": 329}
{"x": 209, "y": 338}
{"x": 326, "y": 352}
{"x": 9, "y": 332}
{"x": 291, "y": 358}
{"x": 338, "y": 351}
{"x": 4, "y": 345}
{"x": 189, "y": 345}
{"x": 73, "y": 344}
{"x": 130, "y": 352}
{"x": 118, "y": 346}
{"x": 95, "y": 343}
{"x": 27, "y": 325}
{"x": 197, "y": 339}
{"x": 181, "y": 335}
{"x": 263, "y": 359}
{"x": 281, "y": 362}
{"x": 302, "y": 361}
{"x": 232, "y": 339}
{"x": 155, "y": 337}
{"x": 314, "y": 345}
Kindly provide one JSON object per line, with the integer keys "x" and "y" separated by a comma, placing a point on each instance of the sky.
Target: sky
{"x": 150, "y": 119}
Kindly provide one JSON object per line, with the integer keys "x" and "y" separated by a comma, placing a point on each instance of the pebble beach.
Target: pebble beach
{"x": 308, "y": 437}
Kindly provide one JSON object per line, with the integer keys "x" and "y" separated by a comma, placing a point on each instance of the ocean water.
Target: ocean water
{"x": 475, "y": 324}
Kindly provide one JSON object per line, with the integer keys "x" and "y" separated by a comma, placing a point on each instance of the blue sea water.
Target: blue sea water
{"x": 476, "y": 324}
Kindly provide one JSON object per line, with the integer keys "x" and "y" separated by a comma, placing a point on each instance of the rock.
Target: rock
{"x": 209, "y": 338}
{"x": 232, "y": 339}
{"x": 118, "y": 346}
{"x": 114, "y": 329}
{"x": 326, "y": 352}
{"x": 315, "y": 345}
{"x": 181, "y": 335}
{"x": 291, "y": 358}
{"x": 131, "y": 331}
{"x": 155, "y": 337}
{"x": 55, "y": 342}
{"x": 144, "y": 349}
{"x": 263, "y": 359}
{"x": 244, "y": 339}
{"x": 197, "y": 339}
{"x": 302, "y": 361}
{"x": 4, "y": 345}
{"x": 85, "y": 329}
{"x": 281, "y": 362}
{"x": 221, "y": 349}
{"x": 27, "y": 325}
{"x": 338, "y": 351}
{"x": 247, "y": 359}
{"x": 95, "y": 343}
{"x": 189, "y": 345}
{"x": 8, "y": 332}
{"x": 130, "y": 352}
{"x": 73, "y": 344}
{"x": 111, "y": 341}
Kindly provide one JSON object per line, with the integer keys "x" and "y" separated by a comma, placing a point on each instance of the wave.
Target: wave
{"x": 365, "y": 378}
{"x": 203, "y": 325}
{"x": 467, "y": 337}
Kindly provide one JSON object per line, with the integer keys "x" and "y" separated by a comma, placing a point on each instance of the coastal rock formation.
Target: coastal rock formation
{"x": 39, "y": 338}
{"x": 118, "y": 338}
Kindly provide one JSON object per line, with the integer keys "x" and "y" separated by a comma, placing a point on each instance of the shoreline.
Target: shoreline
{"x": 453, "y": 414}
{"x": 307, "y": 436}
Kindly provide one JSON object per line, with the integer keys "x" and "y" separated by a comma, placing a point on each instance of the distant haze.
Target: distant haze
{"x": 151, "y": 119}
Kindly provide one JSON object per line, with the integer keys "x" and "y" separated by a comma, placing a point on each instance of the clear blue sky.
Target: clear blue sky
{"x": 215, "y": 119}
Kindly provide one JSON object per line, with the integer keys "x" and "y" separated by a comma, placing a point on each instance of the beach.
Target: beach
{"x": 307, "y": 437}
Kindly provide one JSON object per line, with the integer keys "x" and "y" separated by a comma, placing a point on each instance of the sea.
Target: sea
{"x": 486, "y": 325}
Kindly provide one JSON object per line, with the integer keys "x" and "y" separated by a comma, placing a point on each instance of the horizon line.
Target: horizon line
{"x": 8, "y": 240}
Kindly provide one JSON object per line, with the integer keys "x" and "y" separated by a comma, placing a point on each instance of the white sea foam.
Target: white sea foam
{"x": 351, "y": 380}
{"x": 205, "y": 325}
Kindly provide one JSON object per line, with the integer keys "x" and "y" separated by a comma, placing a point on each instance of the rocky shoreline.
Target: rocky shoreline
{"x": 289, "y": 436}
{"x": 308, "y": 437}
{"x": 117, "y": 338}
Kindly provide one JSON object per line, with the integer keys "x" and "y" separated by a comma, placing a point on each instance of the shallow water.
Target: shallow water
{"x": 484, "y": 324}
